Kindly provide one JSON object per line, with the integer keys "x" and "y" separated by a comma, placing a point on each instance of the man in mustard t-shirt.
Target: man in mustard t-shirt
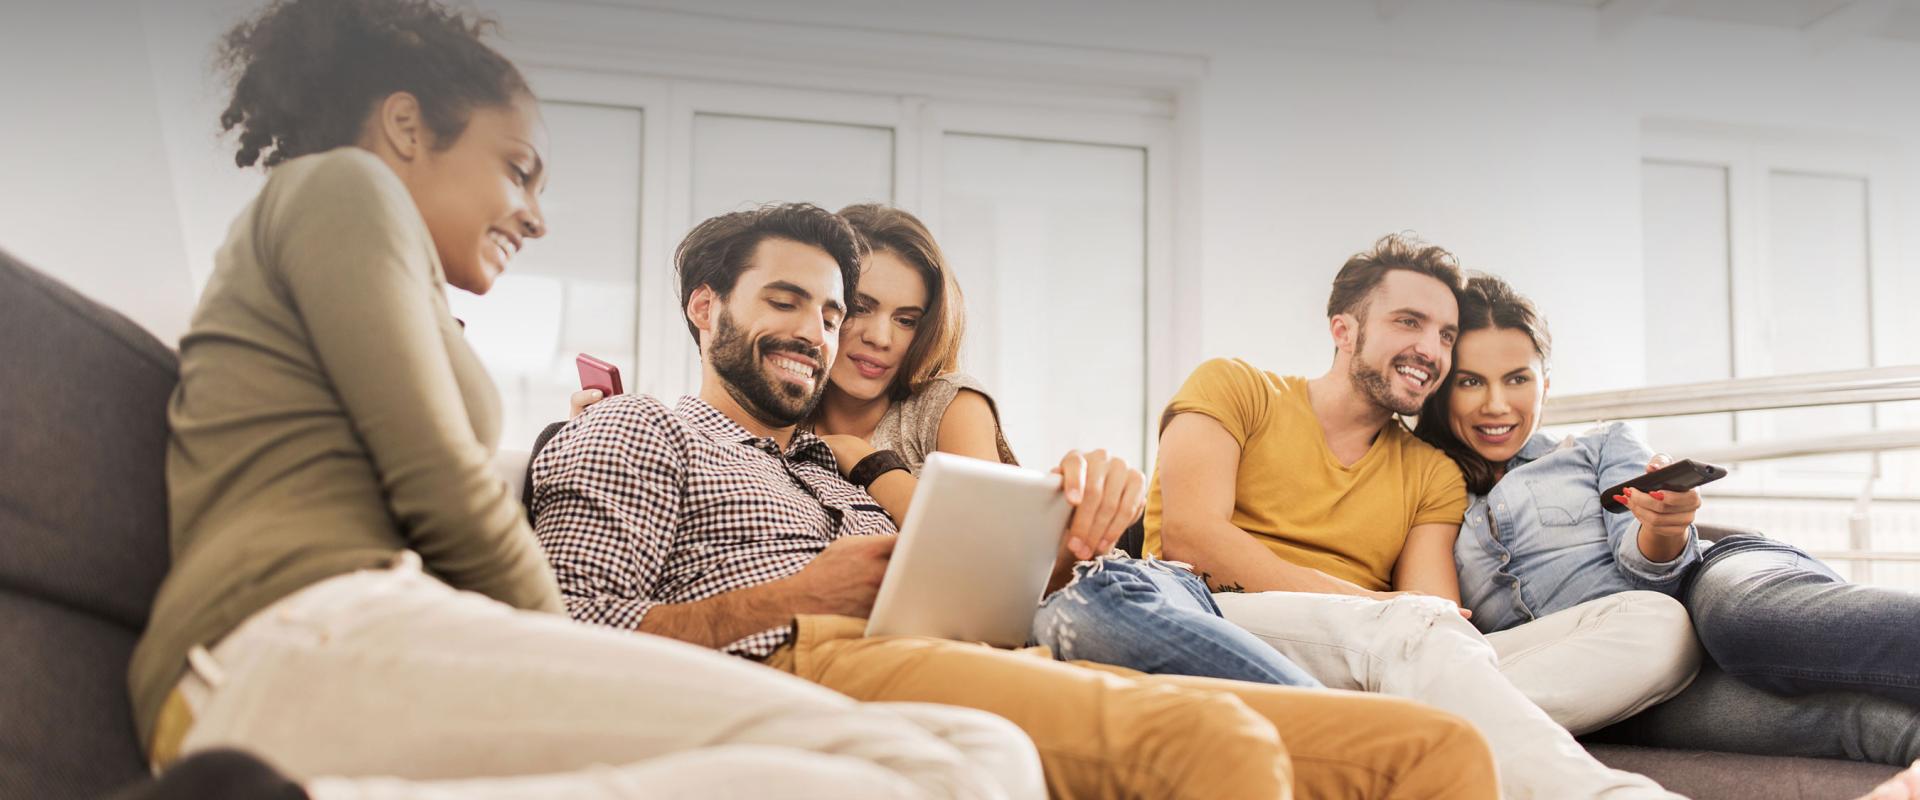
{"x": 1326, "y": 529}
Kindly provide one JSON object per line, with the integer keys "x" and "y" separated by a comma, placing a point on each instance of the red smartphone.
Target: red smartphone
{"x": 597, "y": 374}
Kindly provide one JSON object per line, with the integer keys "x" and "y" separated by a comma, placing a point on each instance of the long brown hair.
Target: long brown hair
{"x": 936, "y": 340}
{"x": 1486, "y": 302}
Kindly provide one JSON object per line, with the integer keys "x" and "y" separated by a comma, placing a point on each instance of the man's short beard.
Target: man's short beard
{"x": 1376, "y": 385}
{"x": 738, "y": 361}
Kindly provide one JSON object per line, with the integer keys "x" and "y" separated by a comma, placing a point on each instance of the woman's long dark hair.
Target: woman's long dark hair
{"x": 1487, "y": 302}
{"x": 307, "y": 73}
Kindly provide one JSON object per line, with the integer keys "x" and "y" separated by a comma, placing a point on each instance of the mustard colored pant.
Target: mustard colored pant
{"x": 1111, "y": 732}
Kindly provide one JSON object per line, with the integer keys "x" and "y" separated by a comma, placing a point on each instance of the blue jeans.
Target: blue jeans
{"x": 1777, "y": 618}
{"x": 1158, "y": 618}
{"x": 1777, "y": 622}
{"x": 1720, "y": 712}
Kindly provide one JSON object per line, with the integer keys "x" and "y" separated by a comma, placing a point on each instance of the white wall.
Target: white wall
{"x": 86, "y": 187}
{"x": 1508, "y": 132}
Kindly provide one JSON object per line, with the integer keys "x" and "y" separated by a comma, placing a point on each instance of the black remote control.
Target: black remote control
{"x": 1676, "y": 477}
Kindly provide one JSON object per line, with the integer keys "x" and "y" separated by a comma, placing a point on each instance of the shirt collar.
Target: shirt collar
{"x": 721, "y": 428}
{"x": 1536, "y": 448}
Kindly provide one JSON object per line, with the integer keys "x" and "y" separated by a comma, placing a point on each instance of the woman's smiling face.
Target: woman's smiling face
{"x": 1499, "y": 384}
{"x": 881, "y": 325}
{"x": 480, "y": 196}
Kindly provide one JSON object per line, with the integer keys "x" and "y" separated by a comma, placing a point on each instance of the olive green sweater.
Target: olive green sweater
{"x": 329, "y": 414}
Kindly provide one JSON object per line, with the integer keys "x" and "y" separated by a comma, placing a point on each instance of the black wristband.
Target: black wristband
{"x": 876, "y": 464}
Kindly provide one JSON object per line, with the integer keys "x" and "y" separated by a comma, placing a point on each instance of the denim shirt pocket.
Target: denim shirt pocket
{"x": 1558, "y": 505}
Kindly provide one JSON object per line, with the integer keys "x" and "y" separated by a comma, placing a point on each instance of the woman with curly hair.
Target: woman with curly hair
{"x": 353, "y": 591}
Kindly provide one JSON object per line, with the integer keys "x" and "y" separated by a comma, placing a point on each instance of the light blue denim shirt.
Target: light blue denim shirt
{"x": 1540, "y": 542}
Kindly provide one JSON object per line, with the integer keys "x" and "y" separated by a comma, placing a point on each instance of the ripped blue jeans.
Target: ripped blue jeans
{"x": 1156, "y": 617}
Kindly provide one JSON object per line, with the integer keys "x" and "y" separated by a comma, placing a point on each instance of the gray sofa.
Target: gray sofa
{"x": 83, "y": 529}
{"x": 83, "y": 532}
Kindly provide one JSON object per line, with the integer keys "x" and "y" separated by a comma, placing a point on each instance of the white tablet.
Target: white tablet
{"x": 975, "y": 553}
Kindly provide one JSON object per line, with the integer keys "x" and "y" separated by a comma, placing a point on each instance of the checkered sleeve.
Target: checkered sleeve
{"x": 606, "y": 501}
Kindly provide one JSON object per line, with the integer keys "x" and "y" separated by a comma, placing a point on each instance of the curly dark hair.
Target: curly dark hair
{"x": 718, "y": 250}
{"x": 307, "y": 73}
{"x": 1486, "y": 302}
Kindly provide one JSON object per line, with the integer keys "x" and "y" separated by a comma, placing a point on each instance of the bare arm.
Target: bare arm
{"x": 844, "y": 579}
{"x": 723, "y": 619}
{"x": 966, "y": 429}
{"x": 893, "y": 490}
{"x": 1199, "y": 464}
{"x": 1426, "y": 563}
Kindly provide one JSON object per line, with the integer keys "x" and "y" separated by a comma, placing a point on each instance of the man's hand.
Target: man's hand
{"x": 1106, "y": 495}
{"x": 844, "y": 579}
{"x": 847, "y": 451}
{"x": 1662, "y": 513}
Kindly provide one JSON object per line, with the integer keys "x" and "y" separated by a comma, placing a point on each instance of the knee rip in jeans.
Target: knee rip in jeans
{"x": 1098, "y": 566}
{"x": 1099, "y": 563}
{"x": 1059, "y": 635}
{"x": 1058, "y": 629}
{"x": 1427, "y": 613}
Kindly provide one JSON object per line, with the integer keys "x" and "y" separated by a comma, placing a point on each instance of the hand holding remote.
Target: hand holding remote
{"x": 1665, "y": 512}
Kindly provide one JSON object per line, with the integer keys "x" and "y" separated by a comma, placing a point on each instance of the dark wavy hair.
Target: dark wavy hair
{"x": 936, "y": 341}
{"x": 307, "y": 73}
{"x": 718, "y": 250}
{"x": 1486, "y": 302}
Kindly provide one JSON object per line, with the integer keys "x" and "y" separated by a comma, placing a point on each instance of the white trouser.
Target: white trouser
{"x": 389, "y": 684}
{"x": 1601, "y": 661}
{"x": 1591, "y": 663}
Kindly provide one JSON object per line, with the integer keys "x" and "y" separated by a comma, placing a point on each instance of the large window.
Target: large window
{"x": 1053, "y": 238}
{"x": 1049, "y": 218}
{"x": 1761, "y": 257}
{"x": 574, "y": 291}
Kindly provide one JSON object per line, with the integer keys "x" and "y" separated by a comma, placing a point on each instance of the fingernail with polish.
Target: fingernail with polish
{"x": 1658, "y": 494}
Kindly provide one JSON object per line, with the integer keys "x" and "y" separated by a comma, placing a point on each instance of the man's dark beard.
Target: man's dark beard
{"x": 772, "y": 401}
{"x": 1377, "y": 386}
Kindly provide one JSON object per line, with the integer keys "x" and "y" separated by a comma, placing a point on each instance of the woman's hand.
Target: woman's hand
{"x": 1662, "y": 513}
{"x": 847, "y": 450}
{"x": 1465, "y": 613}
{"x": 581, "y": 399}
{"x": 1106, "y": 495}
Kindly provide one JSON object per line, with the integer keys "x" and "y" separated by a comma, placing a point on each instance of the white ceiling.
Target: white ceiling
{"x": 1895, "y": 19}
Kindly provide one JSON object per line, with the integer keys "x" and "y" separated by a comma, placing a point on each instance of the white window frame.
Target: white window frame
{"x": 1750, "y": 157}
{"x": 665, "y": 66}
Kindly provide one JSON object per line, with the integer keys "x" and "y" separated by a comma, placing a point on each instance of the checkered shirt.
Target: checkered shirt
{"x": 638, "y": 505}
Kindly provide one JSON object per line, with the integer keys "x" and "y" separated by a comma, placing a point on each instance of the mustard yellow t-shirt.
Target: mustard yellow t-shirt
{"x": 1294, "y": 496}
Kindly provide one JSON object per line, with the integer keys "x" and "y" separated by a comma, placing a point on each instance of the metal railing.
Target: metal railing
{"x": 1869, "y": 442}
{"x": 1843, "y": 387}
{"x": 1877, "y": 385}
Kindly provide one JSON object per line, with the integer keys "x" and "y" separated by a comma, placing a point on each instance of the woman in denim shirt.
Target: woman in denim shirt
{"x": 1774, "y": 621}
